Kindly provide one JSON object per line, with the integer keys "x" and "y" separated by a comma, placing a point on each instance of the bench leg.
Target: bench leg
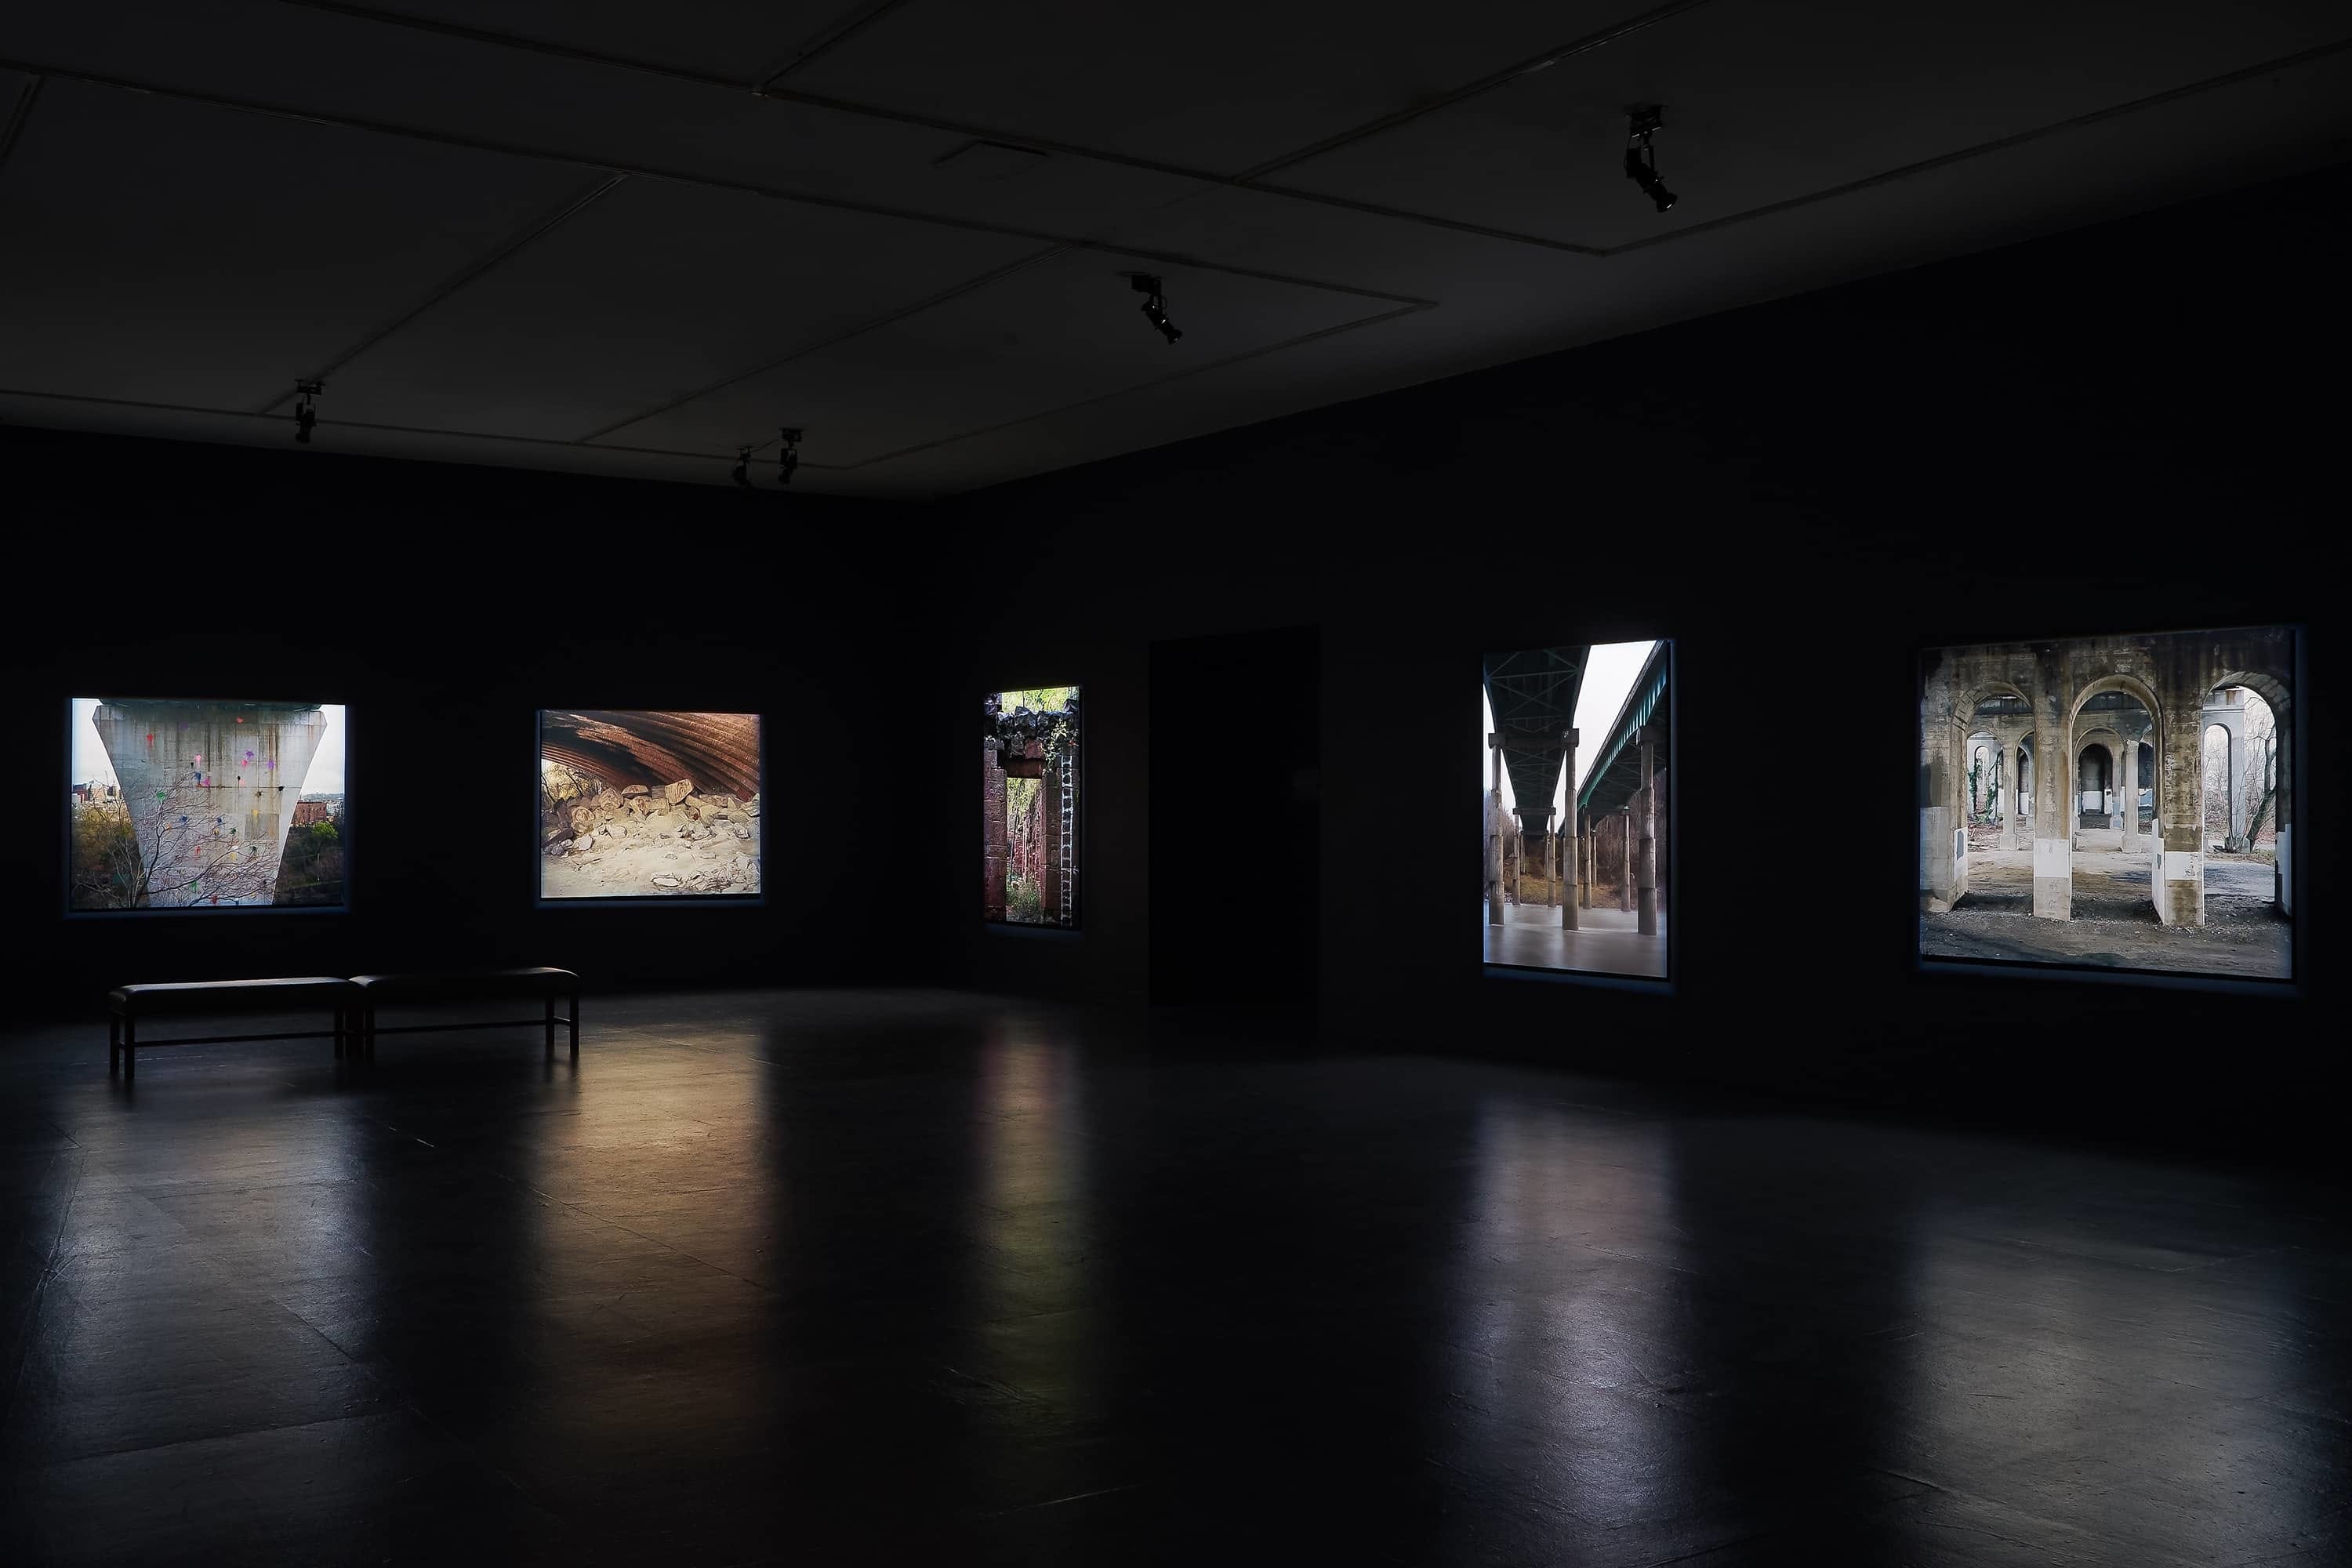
{"x": 367, "y": 1032}
{"x": 129, "y": 1050}
{"x": 113, "y": 1044}
{"x": 551, "y": 1027}
{"x": 574, "y": 1021}
{"x": 339, "y": 1034}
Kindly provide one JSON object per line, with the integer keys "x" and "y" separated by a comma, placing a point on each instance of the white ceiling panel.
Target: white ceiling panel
{"x": 652, "y": 292}
{"x": 1220, "y": 84}
{"x": 174, "y": 254}
{"x": 1068, "y": 331}
{"x": 1853, "y": 88}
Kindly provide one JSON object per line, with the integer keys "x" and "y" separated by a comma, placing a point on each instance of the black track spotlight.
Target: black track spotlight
{"x": 788, "y": 456}
{"x": 1155, "y": 306}
{"x": 1641, "y": 158}
{"x": 306, "y": 413}
{"x": 743, "y": 467}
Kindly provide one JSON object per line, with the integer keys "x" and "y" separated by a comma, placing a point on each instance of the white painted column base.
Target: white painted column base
{"x": 1943, "y": 876}
{"x": 2182, "y": 902}
{"x": 2054, "y": 878}
{"x": 2285, "y": 873}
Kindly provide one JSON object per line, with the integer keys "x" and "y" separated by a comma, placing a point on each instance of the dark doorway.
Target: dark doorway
{"x": 1236, "y": 752}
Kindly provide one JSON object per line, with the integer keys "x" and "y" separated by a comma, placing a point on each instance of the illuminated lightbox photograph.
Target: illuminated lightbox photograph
{"x": 1031, "y": 807}
{"x": 643, "y": 803}
{"x": 2111, "y": 803}
{"x": 1575, "y": 768}
{"x": 174, "y": 804}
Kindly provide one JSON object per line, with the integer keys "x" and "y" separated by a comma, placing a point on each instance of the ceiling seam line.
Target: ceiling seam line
{"x": 1600, "y": 38}
{"x": 706, "y": 182}
{"x": 1302, "y": 340}
{"x": 544, "y": 224}
{"x": 968, "y": 286}
{"x": 20, "y": 114}
{"x": 1998, "y": 144}
{"x": 779, "y": 95}
{"x": 1419, "y": 219}
{"x": 997, "y": 134}
{"x": 326, "y": 424}
{"x": 840, "y": 33}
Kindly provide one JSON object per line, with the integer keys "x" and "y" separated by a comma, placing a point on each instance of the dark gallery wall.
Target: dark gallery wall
{"x": 2127, "y": 427}
{"x": 445, "y": 605}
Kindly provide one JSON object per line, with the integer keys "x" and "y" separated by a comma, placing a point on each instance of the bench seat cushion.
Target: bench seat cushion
{"x": 231, "y": 996}
{"x": 482, "y": 983}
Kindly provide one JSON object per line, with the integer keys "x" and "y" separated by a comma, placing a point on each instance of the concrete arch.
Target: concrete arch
{"x": 2139, "y": 691}
{"x": 2131, "y": 685}
{"x": 2273, "y": 682}
{"x": 1982, "y": 769}
{"x": 1965, "y": 710}
{"x": 2053, "y": 871}
{"x": 2269, "y": 685}
{"x": 2231, "y": 751}
{"x": 1944, "y": 835}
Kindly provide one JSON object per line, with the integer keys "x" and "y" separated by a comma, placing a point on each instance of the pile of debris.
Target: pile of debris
{"x": 715, "y": 836}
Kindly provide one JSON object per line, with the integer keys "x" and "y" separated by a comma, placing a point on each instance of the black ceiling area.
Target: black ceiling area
{"x": 618, "y": 239}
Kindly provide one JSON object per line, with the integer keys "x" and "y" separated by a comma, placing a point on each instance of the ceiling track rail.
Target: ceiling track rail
{"x": 702, "y": 182}
{"x": 20, "y": 114}
{"x": 834, "y": 33}
{"x": 1049, "y": 146}
{"x": 1252, "y": 179}
{"x": 540, "y": 228}
{"x": 1425, "y": 106}
{"x": 954, "y": 291}
{"x": 1301, "y": 340}
{"x": 248, "y": 416}
{"x": 1998, "y": 144}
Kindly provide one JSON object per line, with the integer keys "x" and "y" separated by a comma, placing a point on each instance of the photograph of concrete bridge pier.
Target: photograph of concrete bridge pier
{"x": 180, "y": 804}
{"x": 2113, "y": 803}
{"x": 1578, "y": 747}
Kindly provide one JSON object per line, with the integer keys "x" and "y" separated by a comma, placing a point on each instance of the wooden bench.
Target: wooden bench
{"x": 126, "y": 1005}
{"x": 547, "y": 986}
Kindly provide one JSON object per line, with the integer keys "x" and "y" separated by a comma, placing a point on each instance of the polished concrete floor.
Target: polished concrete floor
{"x": 921, "y": 1279}
{"x": 1606, "y": 941}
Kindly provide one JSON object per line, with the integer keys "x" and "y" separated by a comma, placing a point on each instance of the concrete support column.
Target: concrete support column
{"x": 2283, "y": 812}
{"x": 2238, "y": 788}
{"x": 1625, "y": 880}
{"x": 1591, "y": 849}
{"x": 2008, "y": 801}
{"x": 1943, "y": 790}
{"x": 2053, "y": 811}
{"x": 2179, "y": 868}
{"x": 1494, "y": 830}
{"x": 992, "y": 849}
{"x": 1646, "y": 873}
{"x": 2127, "y": 772}
{"x": 1570, "y": 833}
{"x": 1049, "y": 819}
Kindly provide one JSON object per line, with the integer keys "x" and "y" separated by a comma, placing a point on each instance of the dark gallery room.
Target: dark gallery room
{"x": 473, "y": 471}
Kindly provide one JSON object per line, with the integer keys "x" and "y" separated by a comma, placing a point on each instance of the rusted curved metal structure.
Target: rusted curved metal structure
{"x": 719, "y": 752}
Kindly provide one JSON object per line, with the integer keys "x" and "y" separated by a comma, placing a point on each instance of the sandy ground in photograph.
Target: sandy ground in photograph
{"x": 2115, "y": 923}
{"x": 664, "y": 855}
